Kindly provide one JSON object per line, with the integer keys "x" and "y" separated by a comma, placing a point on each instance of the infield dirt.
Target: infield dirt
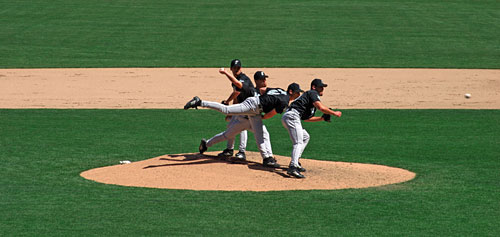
{"x": 164, "y": 88}
{"x": 128, "y": 88}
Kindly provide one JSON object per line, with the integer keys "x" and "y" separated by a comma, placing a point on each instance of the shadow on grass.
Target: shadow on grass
{"x": 200, "y": 159}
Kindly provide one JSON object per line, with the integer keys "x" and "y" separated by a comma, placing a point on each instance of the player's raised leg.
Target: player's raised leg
{"x": 248, "y": 107}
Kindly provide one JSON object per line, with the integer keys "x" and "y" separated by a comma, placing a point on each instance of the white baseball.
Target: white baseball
{"x": 222, "y": 69}
{"x": 467, "y": 95}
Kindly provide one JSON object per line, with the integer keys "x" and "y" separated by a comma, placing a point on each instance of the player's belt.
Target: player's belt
{"x": 290, "y": 109}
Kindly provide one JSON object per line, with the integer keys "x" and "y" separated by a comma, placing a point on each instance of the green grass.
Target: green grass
{"x": 297, "y": 33}
{"x": 454, "y": 153}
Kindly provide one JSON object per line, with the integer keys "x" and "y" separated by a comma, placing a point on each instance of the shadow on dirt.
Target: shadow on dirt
{"x": 200, "y": 159}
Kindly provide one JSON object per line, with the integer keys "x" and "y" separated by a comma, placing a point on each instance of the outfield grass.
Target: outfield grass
{"x": 284, "y": 33}
{"x": 454, "y": 153}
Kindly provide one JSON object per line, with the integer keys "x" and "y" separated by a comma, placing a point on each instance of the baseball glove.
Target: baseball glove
{"x": 327, "y": 117}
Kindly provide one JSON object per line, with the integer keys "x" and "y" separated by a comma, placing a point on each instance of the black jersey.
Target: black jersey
{"x": 304, "y": 104}
{"x": 248, "y": 90}
{"x": 274, "y": 98}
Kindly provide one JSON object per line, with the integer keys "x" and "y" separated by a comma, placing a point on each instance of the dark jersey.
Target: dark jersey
{"x": 248, "y": 90}
{"x": 274, "y": 98}
{"x": 304, "y": 104}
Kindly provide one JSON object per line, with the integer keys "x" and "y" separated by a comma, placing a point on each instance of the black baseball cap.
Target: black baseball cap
{"x": 294, "y": 87}
{"x": 235, "y": 63}
{"x": 259, "y": 75}
{"x": 318, "y": 83}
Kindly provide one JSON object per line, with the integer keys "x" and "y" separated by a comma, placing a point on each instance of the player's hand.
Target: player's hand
{"x": 327, "y": 117}
{"x": 336, "y": 113}
{"x": 224, "y": 102}
{"x": 222, "y": 71}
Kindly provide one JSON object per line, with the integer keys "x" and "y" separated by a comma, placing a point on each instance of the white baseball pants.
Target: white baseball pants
{"x": 254, "y": 124}
{"x": 248, "y": 107}
{"x": 299, "y": 136}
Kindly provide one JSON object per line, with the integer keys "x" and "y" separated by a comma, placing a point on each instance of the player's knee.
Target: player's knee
{"x": 306, "y": 139}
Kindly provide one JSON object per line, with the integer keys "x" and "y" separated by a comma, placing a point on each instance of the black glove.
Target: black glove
{"x": 327, "y": 117}
{"x": 224, "y": 102}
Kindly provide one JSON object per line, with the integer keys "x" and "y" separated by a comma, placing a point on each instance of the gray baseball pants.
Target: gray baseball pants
{"x": 243, "y": 137}
{"x": 251, "y": 107}
{"x": 299, "y": 136}
{"x": 254, "y": 124}
{"x": 248, "y": 107}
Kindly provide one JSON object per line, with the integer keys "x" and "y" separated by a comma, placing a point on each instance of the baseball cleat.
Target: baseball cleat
{"x": 241, "y": 155}
{"x": 203, "y": 146}
{"x": 193, "y": 103}
{"x": 226, "y": 152}
{"x": 294, "y": 172}
{"x": 300, "y": 168}
{"x": 270, "y": 162}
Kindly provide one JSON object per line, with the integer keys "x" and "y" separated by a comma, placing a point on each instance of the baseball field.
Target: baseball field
{"x": 86, "y": 84}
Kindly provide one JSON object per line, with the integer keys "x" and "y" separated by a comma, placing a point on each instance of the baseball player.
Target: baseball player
{"x": 238, "y": 95}
{"x": 273, "y": 101}
{"x": 303, "y": 108}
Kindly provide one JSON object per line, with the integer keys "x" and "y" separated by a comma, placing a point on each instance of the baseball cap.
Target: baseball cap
{"x": 294, "y": 87}
{"x": 318, "y": 83}
{"x": 235, "y": 63}
{"x": 259, "y": 75}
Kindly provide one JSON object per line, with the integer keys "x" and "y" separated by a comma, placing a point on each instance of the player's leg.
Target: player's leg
{"x": 267, "y": 141}
{"x": 296, "y": 133}
{"x": 258, "y": 132}
{"x": 245, "y": 125}
{"x": 305, "y": 140}
{"x": 233, "y": 129}
{"x": 256, "y": 124}
{"x": 248, "y": 107}
{"x": 243, "y": 145}
{"x": 230, "y": 141}
{"x": 291, "y": 121}
{"x": 243, "y": 141}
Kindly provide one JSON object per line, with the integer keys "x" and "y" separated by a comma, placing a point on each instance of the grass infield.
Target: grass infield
{"x": 281, "y": 33}
{"x": 454, "y": 153}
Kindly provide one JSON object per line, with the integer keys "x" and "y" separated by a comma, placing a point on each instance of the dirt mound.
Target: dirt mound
{"x": 209, "y": 172}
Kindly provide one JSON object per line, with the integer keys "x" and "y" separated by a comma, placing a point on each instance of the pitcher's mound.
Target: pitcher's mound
{"x": 209, "y": 172}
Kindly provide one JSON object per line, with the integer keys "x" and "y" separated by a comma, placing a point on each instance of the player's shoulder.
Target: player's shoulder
{"x": 244, "y": 77}
{"x": 275, "y": 91}
{"x": 313, "y": 95}
{"x": 311, "y": 92}
{"x": 245, "y": 80}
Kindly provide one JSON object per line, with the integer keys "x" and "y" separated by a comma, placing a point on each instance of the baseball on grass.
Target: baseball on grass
{"x": 467, "y": 95}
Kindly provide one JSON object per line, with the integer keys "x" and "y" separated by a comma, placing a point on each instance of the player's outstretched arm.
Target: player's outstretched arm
{"x": 231, "y": 78}
{"x": 326, "y": 110}
{"x": 314, "y": 119}
{"x": 270, "y": 114}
